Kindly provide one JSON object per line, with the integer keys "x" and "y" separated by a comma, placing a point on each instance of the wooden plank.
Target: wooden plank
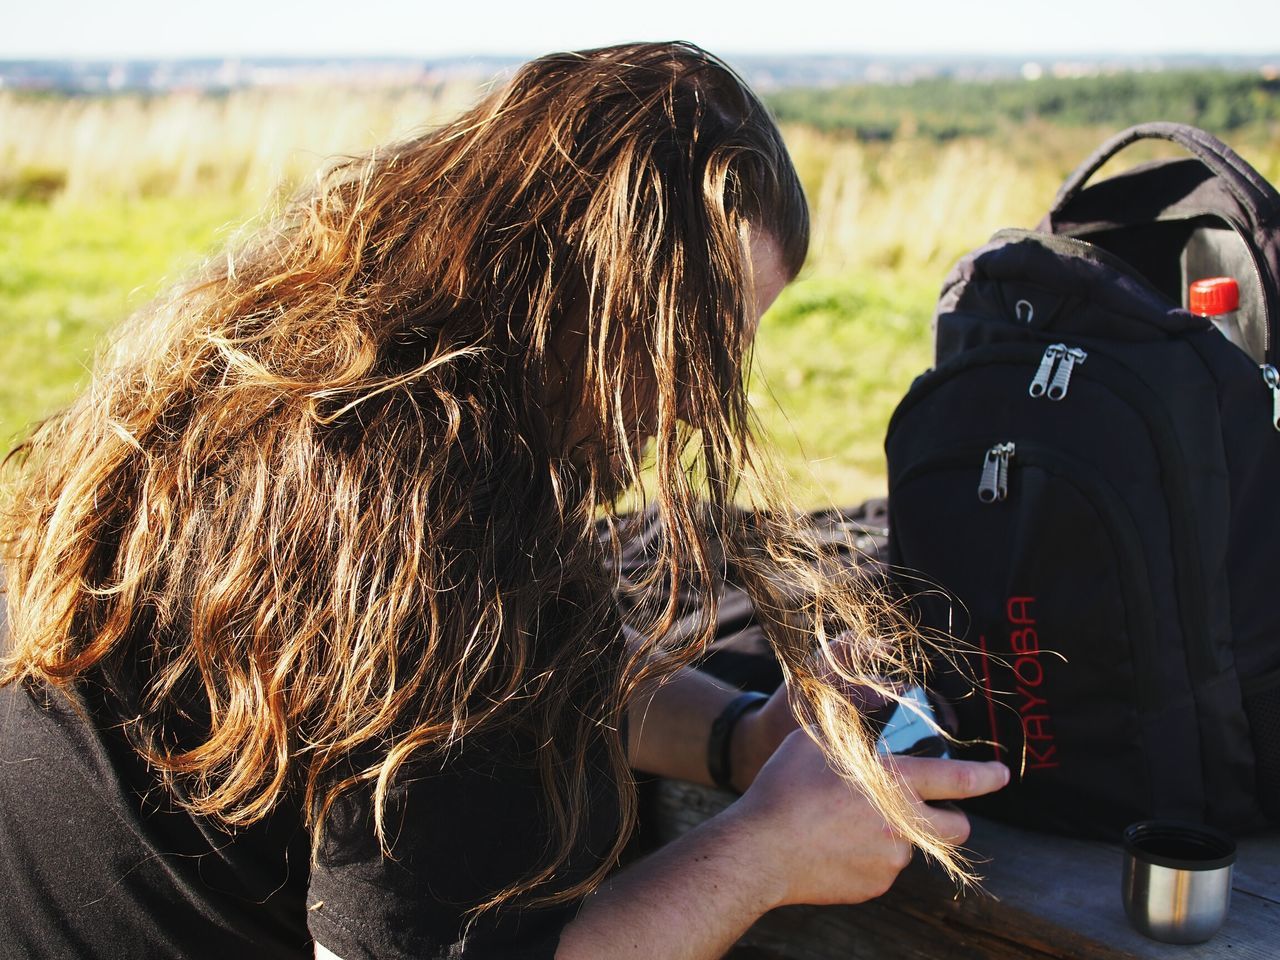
{"x": 1043, "y": 898}
{"x": 1074, "y": 885}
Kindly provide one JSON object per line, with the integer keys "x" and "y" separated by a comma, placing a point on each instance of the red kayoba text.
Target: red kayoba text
{"x": 1028, "y": 674}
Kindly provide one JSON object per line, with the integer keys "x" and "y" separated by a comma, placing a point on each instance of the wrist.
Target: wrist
{"x": 745, "y": 836}
{"x": 727, "y": 731}
{"x": 747, "y": 753}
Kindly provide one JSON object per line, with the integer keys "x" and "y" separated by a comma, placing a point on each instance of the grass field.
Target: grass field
{"x": 832, "y": 356}
{"x": 69, "y": 272}
{"x": 104, "y": 202}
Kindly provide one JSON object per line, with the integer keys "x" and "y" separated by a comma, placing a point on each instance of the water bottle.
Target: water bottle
{"x": 909, "y": 729}
{"x": 1218, "y": 298}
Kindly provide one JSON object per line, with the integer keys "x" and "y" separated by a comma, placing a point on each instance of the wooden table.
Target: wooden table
{"x": 1043, "y": 897}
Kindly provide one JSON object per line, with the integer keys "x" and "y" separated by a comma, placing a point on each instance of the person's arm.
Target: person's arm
{"x": 689, "y": 899}
{"x": 668, "y": 728}
{"x": 669, "y": 725}
{"x": 799, "y": 835}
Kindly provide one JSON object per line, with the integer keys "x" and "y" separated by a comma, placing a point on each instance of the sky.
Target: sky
{"x": 94, "y": 29}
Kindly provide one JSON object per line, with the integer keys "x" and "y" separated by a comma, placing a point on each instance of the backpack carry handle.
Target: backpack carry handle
{"x": 1245, "y": 183}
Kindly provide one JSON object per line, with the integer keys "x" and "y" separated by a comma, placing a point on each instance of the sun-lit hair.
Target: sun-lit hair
{"x": 309, "y": 515}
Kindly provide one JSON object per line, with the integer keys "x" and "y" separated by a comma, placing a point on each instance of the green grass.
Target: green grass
{"x": 69, "y": 274}
{"x": 833, "y": 355}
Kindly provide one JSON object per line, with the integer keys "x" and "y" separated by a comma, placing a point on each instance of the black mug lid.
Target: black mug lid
{"x": 1179, "y": 845}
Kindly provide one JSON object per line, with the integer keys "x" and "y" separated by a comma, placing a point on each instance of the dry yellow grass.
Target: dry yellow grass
{"x": 249, "y": 142}
{"x": 912, "y": 204}
{"x": 909, "y": 204}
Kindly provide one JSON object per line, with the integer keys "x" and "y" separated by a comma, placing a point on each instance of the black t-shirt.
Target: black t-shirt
{"x": 97, "y": 861}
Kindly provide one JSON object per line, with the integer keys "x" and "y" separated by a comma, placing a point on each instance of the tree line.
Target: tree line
{"x": 943, "y": 109}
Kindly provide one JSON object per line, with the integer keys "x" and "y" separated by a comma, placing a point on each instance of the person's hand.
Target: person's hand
{"x": 822, "y": 841}
{"x": 757, "y": 735}
{"x": 760, "y": 732}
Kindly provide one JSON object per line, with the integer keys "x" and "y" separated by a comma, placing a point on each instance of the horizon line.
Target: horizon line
{"x": 1028, "y": 56}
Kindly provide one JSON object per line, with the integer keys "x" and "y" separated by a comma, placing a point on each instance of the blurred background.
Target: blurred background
{"x": 138, "y": 137}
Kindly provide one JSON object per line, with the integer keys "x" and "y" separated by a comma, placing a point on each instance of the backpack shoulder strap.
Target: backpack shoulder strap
{"x": 1253, "y": 192}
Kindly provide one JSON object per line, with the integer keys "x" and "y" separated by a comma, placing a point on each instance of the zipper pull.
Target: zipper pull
{"x": 1040, "y": 382}
{"x": 1062, "y": 379}
{"x": 1272, "y": 378}
{"x": 994, "y": 485}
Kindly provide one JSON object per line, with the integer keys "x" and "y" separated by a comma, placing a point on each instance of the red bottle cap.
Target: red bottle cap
{"x": 1214, "y": 296}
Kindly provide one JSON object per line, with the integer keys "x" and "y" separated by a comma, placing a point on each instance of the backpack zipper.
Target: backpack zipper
{"x": 1062, "y": 379}
{"x": 1040, "y": 382}
{"x": 994, "y": 485}
{"x": 1271, "y": 377}
{"x": 1066, "y": 359}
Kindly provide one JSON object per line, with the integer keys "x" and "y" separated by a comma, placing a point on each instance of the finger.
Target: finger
{"x": 868, "y": 699}
{"x": 934, "y": 779}
{"x": 947, "y": 824}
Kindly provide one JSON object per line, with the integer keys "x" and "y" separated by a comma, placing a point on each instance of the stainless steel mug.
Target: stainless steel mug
{"x": 1177, "y": 879}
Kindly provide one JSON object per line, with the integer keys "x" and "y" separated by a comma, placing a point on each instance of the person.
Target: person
{"x": 316, "y": 646}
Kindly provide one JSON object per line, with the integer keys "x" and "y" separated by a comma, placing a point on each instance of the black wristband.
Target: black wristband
{"x": 718, "y": 762}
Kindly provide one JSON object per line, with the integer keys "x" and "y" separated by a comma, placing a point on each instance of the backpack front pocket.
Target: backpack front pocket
{"x": 1060, "y": 675}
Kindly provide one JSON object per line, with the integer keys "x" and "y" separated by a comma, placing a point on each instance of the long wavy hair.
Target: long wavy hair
{"x": 316, "y": 502}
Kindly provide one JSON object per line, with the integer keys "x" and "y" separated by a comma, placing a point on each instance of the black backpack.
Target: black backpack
{"x": 1085, "y": 492}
